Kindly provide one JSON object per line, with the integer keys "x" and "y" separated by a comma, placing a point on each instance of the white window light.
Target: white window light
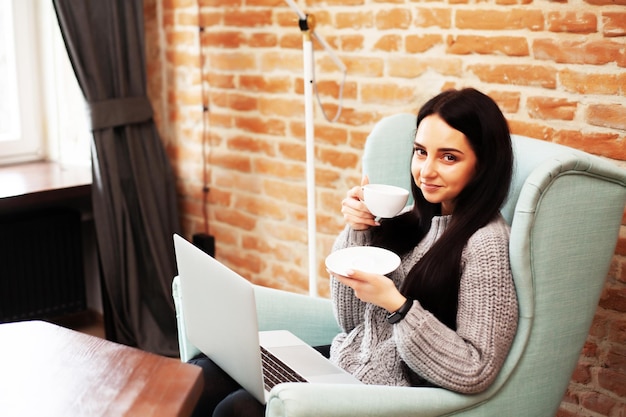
{"x": 42, "y": 111}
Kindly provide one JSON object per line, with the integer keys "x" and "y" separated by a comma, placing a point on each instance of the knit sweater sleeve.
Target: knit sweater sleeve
{"x": 467, "y": 360}
{"x": 348, "y": 309}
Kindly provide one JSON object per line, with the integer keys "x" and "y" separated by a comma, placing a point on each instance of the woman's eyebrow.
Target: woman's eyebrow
{"x": 416, "y": 143}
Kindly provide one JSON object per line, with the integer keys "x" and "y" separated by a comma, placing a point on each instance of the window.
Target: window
{"x": 42, "y": 110}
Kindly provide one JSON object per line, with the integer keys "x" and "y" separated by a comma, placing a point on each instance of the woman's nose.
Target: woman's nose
{"x": 428, "y": 169}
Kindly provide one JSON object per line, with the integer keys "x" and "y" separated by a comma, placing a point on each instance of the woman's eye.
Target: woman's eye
{"x": 419, "y": 151}
{"x": 449, "y": 157}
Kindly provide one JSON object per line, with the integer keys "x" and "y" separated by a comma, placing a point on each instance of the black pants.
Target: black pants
{"x": 223, "y": 396}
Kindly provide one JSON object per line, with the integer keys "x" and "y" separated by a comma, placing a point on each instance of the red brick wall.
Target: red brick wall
{"x": 556, "y": 68}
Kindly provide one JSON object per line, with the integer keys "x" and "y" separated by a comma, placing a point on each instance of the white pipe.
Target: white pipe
{"x": 309, "y": 126}
{"x": 295, "y": 8}
{"x": 307, "y": 47}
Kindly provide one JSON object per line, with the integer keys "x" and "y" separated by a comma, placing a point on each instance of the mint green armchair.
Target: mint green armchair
{"x": 565, "y": 209}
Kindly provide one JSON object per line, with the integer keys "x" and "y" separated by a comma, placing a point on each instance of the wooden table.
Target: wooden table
{"x": 47, "y": 370}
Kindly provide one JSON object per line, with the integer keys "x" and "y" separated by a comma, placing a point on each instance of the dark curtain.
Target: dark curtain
{"x": 134, "y": 196}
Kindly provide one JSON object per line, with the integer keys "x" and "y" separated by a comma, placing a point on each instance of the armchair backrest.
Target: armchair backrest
{"x": 565, "y": 208}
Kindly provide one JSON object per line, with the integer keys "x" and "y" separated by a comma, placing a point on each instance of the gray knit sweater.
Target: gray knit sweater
{"x": 420, "y": 347}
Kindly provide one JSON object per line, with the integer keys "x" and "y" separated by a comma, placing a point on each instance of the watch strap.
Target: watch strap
{"x": 399, "y": 314}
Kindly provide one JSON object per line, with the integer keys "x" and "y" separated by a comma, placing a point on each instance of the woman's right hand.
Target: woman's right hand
{"x": 354, "y": 209}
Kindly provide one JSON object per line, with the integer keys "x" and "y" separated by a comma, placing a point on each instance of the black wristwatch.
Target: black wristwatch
{"x": 399, "y": 314}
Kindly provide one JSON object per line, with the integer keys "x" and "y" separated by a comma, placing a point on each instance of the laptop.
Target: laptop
{"x": 220, "y": 316}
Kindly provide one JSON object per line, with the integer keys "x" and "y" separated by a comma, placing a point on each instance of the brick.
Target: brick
{"x": 223, "y": 39}
{"x": 285, "y": 232}
{"x": 387, "y": 93}
{"x": 433, "y": 17}
{"x": 613, "y": 24}
{"x": 529, "y": 75}
{"x": 551, "y": 108}
{"x": 388, "y": 43}
{"x": 231, "y": 61}
{"x": 616, "y": 358}
{"x": 295, "y": 151}
{"x": 332, "y": 89}
{"x": 242, "y": 102}
{"x": 246, "y": 263}
{"x": 218, "y": 3}
{"x": 260, "y": 206}
{"x": 326, "y": 177}
{"x": 578, "y": 52}
{"x": 282, "y": 251}
{"x": 590, "y": 349}
{"x": 620, "y": 249}
{"x": 399, "y": 18}
{"x": 606, "y": 2}
{"x": 483, "y": 19}
{"x": 509, "y": 102}
{"x": 247, "y": 18}
{"x": 581, "y": 374}
{"x": 291, "y": 41}
{"x": 603, "y": 144}
{"x": 240, "y": 181}
{"x": 597, "y": 402}
{"x": 617, "y": 332}
{"x": 410, "y": 67}
{"x": 361, "y": 66}
{"x": 235, "y": 218}
{"x": 354, "y": 20}
{"x": 338, "y": 158}
{"x": 258, "y": 125}
{"x": 263, "y": 40}
{"x": 272, "y": 106}
{"x": 506, "y": 45}
{"x": 289, "y": 277}
{"x": 251, "y": 144}
{"x": 220, "y": 80}
{"x": 292, "y": 192}
{"x": 331, "y": 135}
{"x": 350, "y": 42}
{"x": 607, "y": 115}
{"x": 614, "y": 298}
{"x": 532, "y": 130}
{"x": 279, "y": 168}
{"x": 589, "y": 83}
{"x": 612, "y": 381}
{"x": 264, "y": 84}
{"x": 422, "y": 43}
{"x": 572, "y": 22}
{"x": 229, "y": 160}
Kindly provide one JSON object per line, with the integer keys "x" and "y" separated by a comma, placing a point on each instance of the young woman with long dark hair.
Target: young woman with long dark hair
{"x": 447, "y": 316}
{"x": 453, "y": 290}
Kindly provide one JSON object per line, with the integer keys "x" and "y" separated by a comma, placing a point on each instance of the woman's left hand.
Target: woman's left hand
{"x": 373, "y": 288}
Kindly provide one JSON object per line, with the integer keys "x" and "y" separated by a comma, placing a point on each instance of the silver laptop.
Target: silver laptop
{"x": 221, "y": 320}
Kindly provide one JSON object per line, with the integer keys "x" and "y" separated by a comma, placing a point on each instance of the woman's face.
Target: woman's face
{"x": 443, "y": 162}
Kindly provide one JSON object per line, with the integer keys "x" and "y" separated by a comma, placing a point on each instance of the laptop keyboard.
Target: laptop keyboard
{"x": 275, "y": 371}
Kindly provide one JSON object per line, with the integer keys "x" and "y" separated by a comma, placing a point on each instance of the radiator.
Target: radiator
{"x": 41, "y": 265}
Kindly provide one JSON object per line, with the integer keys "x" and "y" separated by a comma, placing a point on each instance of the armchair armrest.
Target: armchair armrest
{"x": 309, "y": 318}
{"x": 313, "y": 400}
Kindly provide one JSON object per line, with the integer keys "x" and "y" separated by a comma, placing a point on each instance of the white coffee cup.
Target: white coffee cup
{"x": 384, "y": 200}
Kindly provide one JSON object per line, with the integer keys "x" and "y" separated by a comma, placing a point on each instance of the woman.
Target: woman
{"x": 453, "y": 288}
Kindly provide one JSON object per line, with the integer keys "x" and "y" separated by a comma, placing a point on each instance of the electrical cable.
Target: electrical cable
{"x": 206, "y": 148}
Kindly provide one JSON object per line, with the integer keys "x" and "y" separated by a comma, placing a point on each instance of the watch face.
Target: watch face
{"x": 395, "y": 317}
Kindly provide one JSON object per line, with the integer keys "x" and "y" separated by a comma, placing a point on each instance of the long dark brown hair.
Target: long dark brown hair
{"x": 434, "y": 280}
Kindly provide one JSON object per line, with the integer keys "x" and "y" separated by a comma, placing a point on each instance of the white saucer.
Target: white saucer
{"x": 363, "y": 258}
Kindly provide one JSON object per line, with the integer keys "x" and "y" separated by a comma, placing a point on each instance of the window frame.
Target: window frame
{"x": 53, "y": 113}
{"x": 28, "y": 142}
